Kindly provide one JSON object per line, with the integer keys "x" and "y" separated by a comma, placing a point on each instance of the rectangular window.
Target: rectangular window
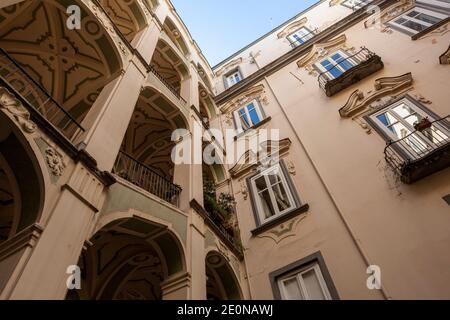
{"x": 355, "y": 4}
{"x": 233, "y": 78}
{"x": 272, "y": 194}
{"x": 300, "y": 36}
{"x": 399, "y": 122}
{"x": 417, "y": 20}
{"x": 248, "y": 116}
{"x": 336, "y": 64}
{"x": 306, "y": 284}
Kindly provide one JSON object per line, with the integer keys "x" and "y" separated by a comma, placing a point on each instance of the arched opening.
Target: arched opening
{"x": 21, "y": 187}
{"x": 145, "y": 158}
{"x": 129, "y": 259}
{"x": 59, "y": 71}
{"x": 221, "y": 281}
{"x": 175, "y": 35}
{"x": 169, "y": 66}
{"x": 127, "y": 16}
{"x": 207, "y": 106}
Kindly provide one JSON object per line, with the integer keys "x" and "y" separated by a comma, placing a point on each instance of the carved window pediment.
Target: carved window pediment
{"x": 292, "y": 27}
{"x": 250, "y": 159}
{"x": 322, "y": 50}
{"x": 257, "y": 92}
{"x": 228, "y": 66}
{"x": 386, "y": 89}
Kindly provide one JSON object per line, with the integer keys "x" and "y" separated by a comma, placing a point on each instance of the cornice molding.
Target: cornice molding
{"x": 292, "y": 27}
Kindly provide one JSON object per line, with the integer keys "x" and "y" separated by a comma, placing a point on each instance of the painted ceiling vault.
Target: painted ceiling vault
{"x": 148, "y": 137}
{"x": 72, "y": 65}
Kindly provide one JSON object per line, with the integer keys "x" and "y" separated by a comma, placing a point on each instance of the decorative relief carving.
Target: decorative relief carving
{"x": 228, "y": 66}
{"x": 258, "y": 92}
{"x": 291, "y": 167}
{"x": 292, "y": 27}
{"x": 445, "y": 57}
{"x": 386, "y": 91}
{"x": 244, "y": 190}
{"x": 334, "y": 2}
{"x": 55, "y": 161}
{"x": 387, "y": 14}
{"x": 284, "y": 230}
{"x": 104, "y": 20}
{"x": 439, "y": 32}
{"x": 250, "y": 160}
{"x": 322, "y": 50}
{"x": 9, "y": 103}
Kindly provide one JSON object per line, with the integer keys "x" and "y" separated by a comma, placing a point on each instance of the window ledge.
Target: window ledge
{"x": 420, "y": 34}
{"x": 252, "y": 128}
{"x": 283, "y": 218}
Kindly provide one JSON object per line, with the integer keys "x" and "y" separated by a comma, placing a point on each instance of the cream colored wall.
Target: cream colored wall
{"x": 404, "y": 229}
{"x": 271, "y": 47}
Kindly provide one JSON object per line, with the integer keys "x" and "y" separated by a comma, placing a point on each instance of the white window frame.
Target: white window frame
{"x": 357, "y": 4}
{"x": 237, "y": 119}
{"x": 298, "y": 275}
{"x": 231, "y": 78}
{"x": 302, "y": 36}
{"x": 344, "y": 54}
{"x": 259, "y": 207}
{"x": 416, "y": 142}
{"x": 436, "y": 3}
{"x": 420, "y": 10}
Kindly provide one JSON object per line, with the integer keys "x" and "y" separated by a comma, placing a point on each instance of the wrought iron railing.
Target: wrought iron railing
{"x": 146, "y": 178}
{"x": 354, "y": 60}
{"x": 418, "y": 144}
{"x": 37, "y": 96}
{"x": 306, "y": 37}
{"x": 137, "y": 53}
{"x": 215, "y": 223}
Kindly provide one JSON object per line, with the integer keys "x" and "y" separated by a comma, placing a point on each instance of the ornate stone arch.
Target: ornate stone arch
{"x": 175, "y": 34}
{"x": 222, "y": 281}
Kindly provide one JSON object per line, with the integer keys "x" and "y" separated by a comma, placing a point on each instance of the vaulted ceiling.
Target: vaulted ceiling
{"x": 72, "y": 65}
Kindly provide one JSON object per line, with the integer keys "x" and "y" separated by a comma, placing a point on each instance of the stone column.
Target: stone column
{"x": 61, "y": 241}
{"x": 109, "y": 117}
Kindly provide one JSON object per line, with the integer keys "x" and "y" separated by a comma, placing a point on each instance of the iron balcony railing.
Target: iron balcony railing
{"x": 306, "y": 37}
{"x": 342, "y": 66}
{"x": 38, "y": 98}
{"x": 137, "y": 53}
{"x": 418, "y": 145}
{"x": 146, "y": 178}
{"x": 216, "y": 224}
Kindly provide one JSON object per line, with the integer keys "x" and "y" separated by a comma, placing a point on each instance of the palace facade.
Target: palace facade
{"x": 350, "y": 201}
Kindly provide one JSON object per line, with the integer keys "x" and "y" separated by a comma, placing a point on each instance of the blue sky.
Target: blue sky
{"x": 222, "y": 27}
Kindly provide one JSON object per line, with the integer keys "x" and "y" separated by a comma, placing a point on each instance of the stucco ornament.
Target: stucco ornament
{"x": 284, "y": 230}
{"x": 244, "y": 190}
{"x": 445, "y": 57}
{"x": 386, "y": 90}
{"x": 383, "y": 16}
{"x": 291, "y": 167}
{"x": 9, "y": 103}
{"x": 257, "y": 92}
{"x": 55, "y": 161}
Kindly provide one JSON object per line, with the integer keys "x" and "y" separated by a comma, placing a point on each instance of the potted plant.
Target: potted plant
{"x": 423, "y": 124}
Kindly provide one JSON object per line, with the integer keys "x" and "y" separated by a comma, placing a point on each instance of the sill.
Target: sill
{"x": 256, "y": 126}
{"x": 283, "y": 218}
{"x": 420, "y": 34}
